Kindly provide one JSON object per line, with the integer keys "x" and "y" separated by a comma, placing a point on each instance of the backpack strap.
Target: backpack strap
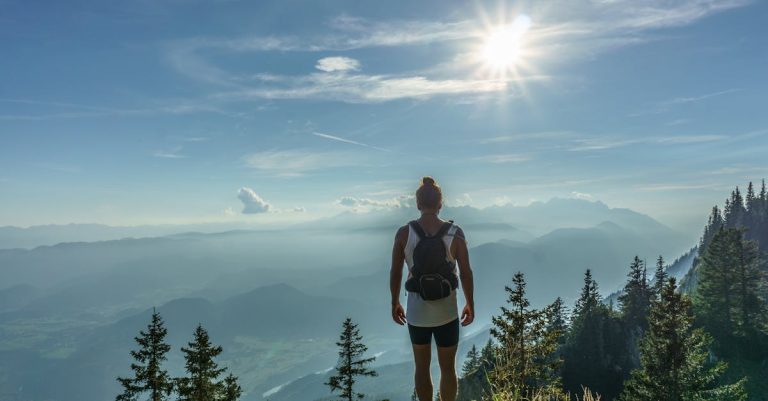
{"x": 417, "y": 228}
{"x": 444, "y": 229}
{"x": 440, "y": 233}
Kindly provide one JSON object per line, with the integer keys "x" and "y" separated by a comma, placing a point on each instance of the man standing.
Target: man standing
{"x": 431, "y": 248}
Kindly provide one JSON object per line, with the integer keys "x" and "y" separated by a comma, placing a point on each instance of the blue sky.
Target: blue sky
{"x": 181, "y": 111}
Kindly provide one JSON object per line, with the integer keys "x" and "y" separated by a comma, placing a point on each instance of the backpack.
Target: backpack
{"x": 432, "y": 276}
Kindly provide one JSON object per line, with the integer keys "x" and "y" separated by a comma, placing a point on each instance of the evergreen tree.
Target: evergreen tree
{"x": 556, "y": 320}
{"x": 659, "y": 277}
{"x": 148, "y": 375}
{"x": 475, "y": 385}
{"x": 524, "y": 360}
{"x": 675, "y": 358}
{"x": 232, "y": 390}
{"x": 589, "y": 299}
{"x": 595, "y": 351}
{"x": 727, "y": 297}
{"x": 636, "y": 297}
{"x": 202, "y": 382}
{"x": 472, "y": 362}
{"x": 351, "y": 364}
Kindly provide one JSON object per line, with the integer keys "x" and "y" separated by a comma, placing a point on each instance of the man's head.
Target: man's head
{"x": 429, "y": 197}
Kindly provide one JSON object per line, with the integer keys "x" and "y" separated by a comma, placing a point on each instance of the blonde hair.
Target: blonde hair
{"x": 429, "y": 195}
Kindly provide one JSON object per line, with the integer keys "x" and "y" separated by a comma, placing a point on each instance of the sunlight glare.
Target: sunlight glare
{"x": 503, "y": 45}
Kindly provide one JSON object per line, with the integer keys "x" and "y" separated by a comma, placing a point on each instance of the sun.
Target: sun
{"x": 503, "y": 46}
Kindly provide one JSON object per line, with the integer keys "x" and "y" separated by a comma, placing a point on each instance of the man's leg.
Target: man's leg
{"x": 422, "y": 355}
{"x": 449, "y": 385}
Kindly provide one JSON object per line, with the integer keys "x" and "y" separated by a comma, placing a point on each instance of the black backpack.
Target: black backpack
{"x": 432, "y": 276}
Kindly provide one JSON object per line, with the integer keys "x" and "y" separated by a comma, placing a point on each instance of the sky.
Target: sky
{"x": 189, "y": 111}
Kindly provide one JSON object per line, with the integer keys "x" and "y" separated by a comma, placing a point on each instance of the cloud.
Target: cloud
{"x": 349, "y": 141}
{"x": 402, "y": 201}
{"x": 667, "y": 105}
{"x": 361, "y": 88}
{"x": 503, "y": 158}
{"x": 562, "y": 30}
{"x": 581, "y": 195}
{"x": 297, "y": 162}
{"x": 333, "y": 64}
{"x": 299, "y": 209}
{"x": 252, "y": 202}
{"x": 169, "y": 154}
{"x": 229, "y": 212}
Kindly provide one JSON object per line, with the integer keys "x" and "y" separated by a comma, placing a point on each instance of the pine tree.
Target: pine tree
{"x": 726, "y": 299}
{"x": 556, "y": 321}
{"x": 674, "y": 361}
{"x": 636, "y": 296}
{"x": 232, "y": 390}
{"x": 472, "y": 362}
{"x": 659, "y": 277}
{"x": 351, "y": 364}
{"x": 589, "y": 298}
{"x": 148, "y": 375}
{"x": 524, "y": 360}
{"x": 595, "y": 350}
{"x": 203, "y": 382}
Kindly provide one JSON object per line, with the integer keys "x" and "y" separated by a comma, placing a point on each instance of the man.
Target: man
{"x": 431, "y": 247}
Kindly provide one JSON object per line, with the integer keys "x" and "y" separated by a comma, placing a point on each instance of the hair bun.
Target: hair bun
{"x": 427, "y": 181}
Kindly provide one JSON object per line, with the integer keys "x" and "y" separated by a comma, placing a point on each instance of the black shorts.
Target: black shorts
{"x": 446, "y": 335}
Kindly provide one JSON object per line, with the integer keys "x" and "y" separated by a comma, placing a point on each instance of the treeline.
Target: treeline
{"x": 661, "y": 343}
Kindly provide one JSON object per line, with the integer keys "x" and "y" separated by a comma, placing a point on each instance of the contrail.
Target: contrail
{"x": 349, "y": 141}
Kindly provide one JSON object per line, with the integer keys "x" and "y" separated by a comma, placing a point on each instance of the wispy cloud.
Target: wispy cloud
{"x": 668, "y": 104}
{"x": 504, "y": 158}
{"x": 169, "y": 154}
{"x": 297, "y": 162}
{"x": 679, "y": 186}
{"x": 566, "y": 28}
{"x": 527, "y": 136}
{"x": 604, "y": 143}
{"x": 332, "y": 64}
{"x": 349, "y": 141}
{"x": 403, "y": 201}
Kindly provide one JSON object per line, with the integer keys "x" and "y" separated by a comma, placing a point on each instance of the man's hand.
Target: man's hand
{"x": 467, "y": 315}
{"x": 398, "y": 314}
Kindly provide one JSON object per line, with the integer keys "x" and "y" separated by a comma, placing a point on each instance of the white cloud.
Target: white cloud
{"x": 504, "y": 158}
{"x": 333, "y": 64}
{"x": 581, "y": 195}
{"x": 360, "y": 88}
{"x": 402, "y": 201}
{"x": 296, "y": 162}
{"x": 252, "y": 202}
{"x": 299, "y": 209}
{"x": 229, "y": 212}
{"x": 169, "y": 154}
{"x": 562, "y": 31}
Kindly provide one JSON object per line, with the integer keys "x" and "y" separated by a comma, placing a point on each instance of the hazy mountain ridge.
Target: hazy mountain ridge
{"x": 98, "y": 292}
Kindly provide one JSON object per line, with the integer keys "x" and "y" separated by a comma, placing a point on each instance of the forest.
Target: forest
{"x": 703, "y": 338}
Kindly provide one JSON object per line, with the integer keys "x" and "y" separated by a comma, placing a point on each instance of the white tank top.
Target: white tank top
{"x": 430, "y": 313}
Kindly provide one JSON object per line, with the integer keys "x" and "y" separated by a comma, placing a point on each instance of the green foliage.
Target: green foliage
{"x": 636, "y": 297}
{"x": 148, "y": 375}
{"x": 351, "y": 362}
{"x": 674, "y": 358}
{"x": 727, "y": 300}
{"x": 202, "y": 382}
{"x": 523, "y": 360}
{"x": 659, "y": 277}
{"x": 595, "y": 352}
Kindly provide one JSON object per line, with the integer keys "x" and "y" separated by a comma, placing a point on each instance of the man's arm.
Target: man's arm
{"x": 396, "y": 274}
{"x": 465, "y": 274}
